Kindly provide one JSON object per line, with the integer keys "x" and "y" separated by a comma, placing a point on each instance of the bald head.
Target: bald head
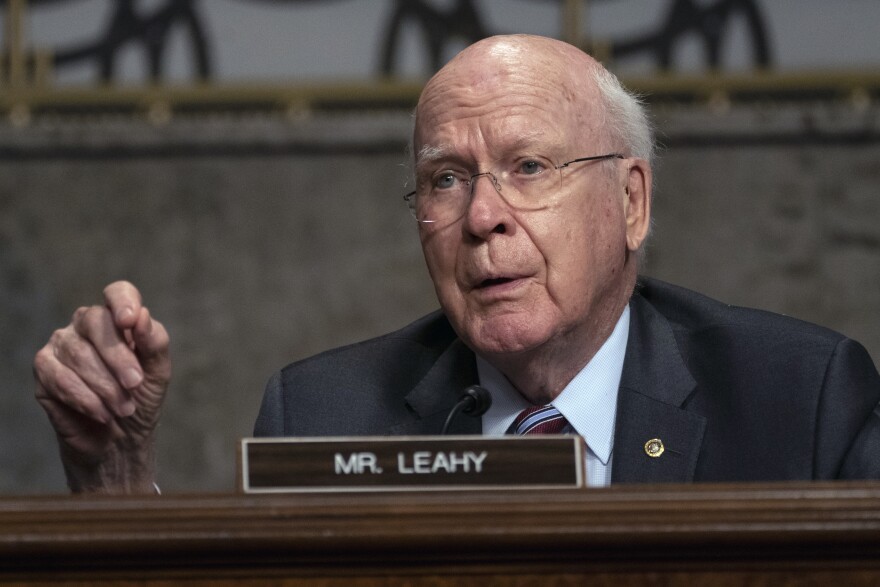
{"x": 485, "y": 60}
{"x": 566, "y": 77}
{"x": 519, "y": 51}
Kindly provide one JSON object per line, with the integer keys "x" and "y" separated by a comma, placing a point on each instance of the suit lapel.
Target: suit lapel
{"x": 654, "y": 386}
{"x": 434, "y": 396}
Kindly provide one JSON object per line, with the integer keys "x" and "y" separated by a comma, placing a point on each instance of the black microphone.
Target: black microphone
{"x": 475, "y": 401}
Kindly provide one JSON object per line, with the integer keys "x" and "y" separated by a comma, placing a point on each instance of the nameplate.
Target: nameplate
{"x": 417, "y": 463}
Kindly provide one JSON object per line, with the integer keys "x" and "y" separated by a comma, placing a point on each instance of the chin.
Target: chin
{"x": 506, "y": 337}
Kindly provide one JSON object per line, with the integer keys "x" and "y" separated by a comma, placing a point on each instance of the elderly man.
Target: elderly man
{"x": 533, "y": 197}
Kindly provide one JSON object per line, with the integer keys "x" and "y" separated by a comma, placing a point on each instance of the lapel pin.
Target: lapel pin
{"x": 654, "y": 448}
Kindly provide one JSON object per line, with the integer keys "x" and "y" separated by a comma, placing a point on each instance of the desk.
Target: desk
{"x": 744, "y": 534}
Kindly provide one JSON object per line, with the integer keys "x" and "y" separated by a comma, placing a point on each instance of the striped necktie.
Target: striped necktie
{"x": 539, "y": 420}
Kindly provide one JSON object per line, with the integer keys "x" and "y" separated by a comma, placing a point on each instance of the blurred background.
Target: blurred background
{"x": 243, "y": 162}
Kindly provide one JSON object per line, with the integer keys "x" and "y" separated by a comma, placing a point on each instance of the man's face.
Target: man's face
{"x": 510, "y": 280}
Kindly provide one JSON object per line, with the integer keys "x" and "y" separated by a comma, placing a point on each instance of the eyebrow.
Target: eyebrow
{"x": 529, "y": 141}
{"x": 430, "y": 153}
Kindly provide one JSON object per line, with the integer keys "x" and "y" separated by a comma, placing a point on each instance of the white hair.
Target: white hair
{"x": 627, "y": 123}
{"x": 626, "y": 118}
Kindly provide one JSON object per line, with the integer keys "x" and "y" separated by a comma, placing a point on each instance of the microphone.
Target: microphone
{"x": 474, "y": 401}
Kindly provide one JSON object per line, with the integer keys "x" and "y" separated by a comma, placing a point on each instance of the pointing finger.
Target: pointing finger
{"x": 124, "y": 302}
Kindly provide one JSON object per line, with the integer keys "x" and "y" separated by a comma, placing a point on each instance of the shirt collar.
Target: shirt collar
{"x": 588, "y": 402}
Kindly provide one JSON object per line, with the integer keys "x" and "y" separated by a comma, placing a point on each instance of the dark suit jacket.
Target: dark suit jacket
{"x": 734, "y": 394}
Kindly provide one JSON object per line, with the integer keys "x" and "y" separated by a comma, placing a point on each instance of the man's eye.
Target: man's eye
{"x": 531, "y": 167}
{"x": 445, "y": 181}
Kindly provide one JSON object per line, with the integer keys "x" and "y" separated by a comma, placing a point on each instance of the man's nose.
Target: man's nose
{"x": 487, "y": 211}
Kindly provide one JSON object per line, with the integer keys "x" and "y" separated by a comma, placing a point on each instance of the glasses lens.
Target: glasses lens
{"x": 435, "y": 206}
{"x": 524, "y": 183}
{"x": 530, "y": 183}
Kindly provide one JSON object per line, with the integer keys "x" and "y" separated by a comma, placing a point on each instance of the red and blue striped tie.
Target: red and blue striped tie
{"x": 539, "y": 420}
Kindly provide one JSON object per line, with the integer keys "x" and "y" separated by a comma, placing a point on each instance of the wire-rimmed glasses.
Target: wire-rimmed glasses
{"x": 525, "y": 183}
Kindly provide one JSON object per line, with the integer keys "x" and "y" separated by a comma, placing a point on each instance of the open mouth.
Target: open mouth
{"x": 494, "y": 281}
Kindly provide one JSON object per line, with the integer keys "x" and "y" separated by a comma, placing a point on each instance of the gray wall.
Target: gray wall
{"x": 260, "y": 241}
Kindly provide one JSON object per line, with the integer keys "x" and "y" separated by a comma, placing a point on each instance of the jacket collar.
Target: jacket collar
{"x": 434, "y": 396}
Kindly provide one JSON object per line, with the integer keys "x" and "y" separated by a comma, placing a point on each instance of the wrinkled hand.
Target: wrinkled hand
{"x": 101, "y": 381}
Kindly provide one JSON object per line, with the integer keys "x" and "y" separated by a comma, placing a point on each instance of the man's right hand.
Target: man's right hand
{"x": 101, "y": 381}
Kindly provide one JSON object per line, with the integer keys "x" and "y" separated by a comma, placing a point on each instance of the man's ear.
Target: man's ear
{"x": 637, "y": 201}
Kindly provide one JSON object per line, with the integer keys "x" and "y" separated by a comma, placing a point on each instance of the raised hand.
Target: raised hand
{"x": 101, "y": 381}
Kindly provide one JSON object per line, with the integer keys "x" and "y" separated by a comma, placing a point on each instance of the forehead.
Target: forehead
{"x": 471, "y": 110}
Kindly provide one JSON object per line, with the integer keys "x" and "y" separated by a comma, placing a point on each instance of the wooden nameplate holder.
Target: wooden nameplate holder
{"x": 403, "y": 463}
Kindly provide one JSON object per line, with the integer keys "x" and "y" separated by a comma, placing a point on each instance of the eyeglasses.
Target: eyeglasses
{"x": 525, "y": 183}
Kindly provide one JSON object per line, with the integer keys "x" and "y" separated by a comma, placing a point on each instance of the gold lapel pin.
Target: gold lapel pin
{"x": 654, "y": 448}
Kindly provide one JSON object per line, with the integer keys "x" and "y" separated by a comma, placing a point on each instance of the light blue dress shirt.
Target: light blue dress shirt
{"x": 588, "y": 402}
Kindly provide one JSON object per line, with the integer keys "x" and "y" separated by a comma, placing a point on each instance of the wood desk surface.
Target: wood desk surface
{"x": 743, "y": 534}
